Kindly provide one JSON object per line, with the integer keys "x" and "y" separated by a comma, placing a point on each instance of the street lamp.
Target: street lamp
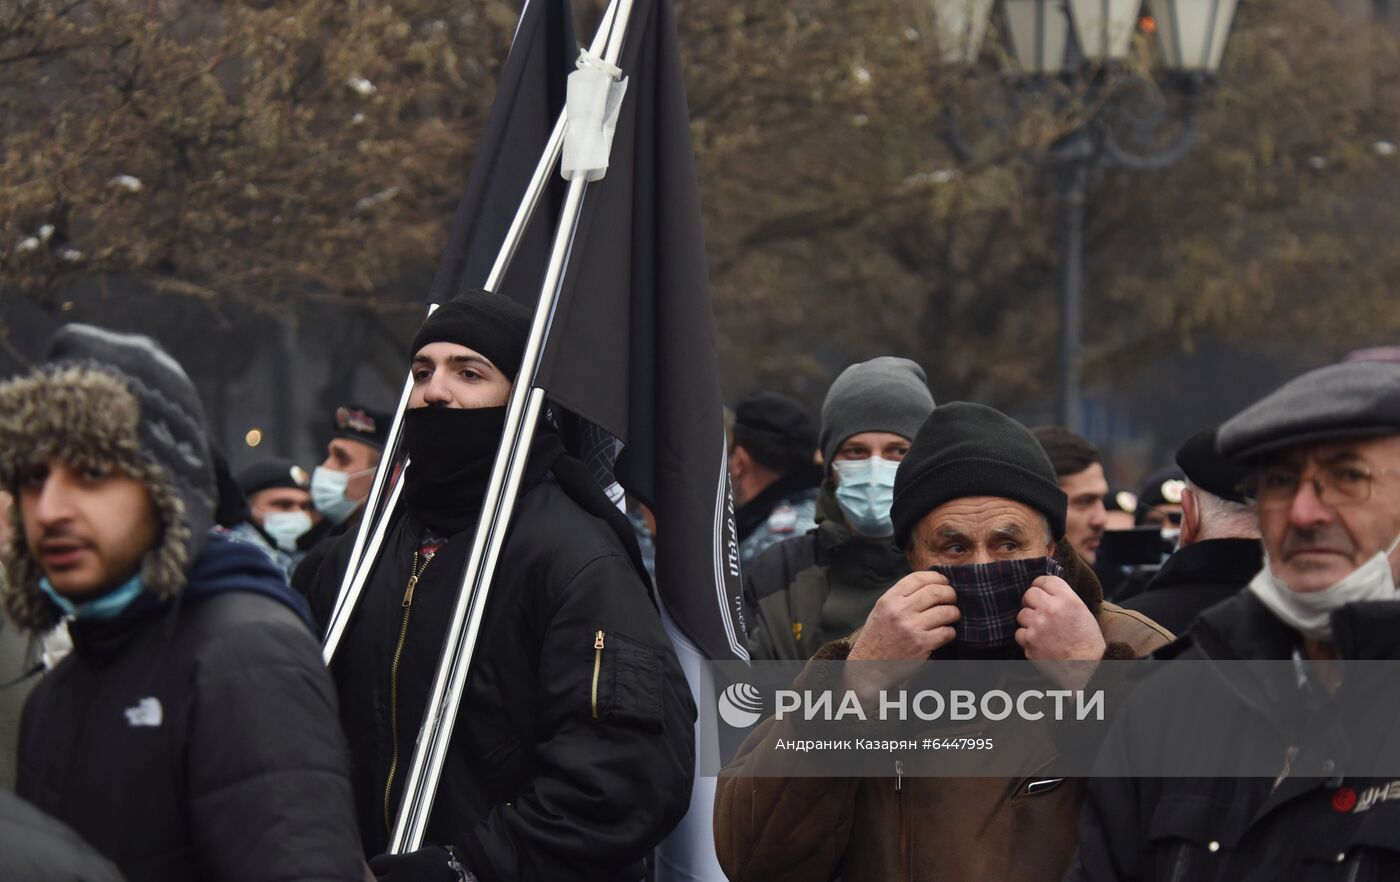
{"x": 961, "y": 26}
{"x": 1039, "y": 32}
{"x": 1193, "y": 33}
{"x": 1104, "y": 28}
{"x": 1084, "y": 40}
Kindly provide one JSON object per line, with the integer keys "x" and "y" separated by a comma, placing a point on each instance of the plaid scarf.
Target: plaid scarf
{"x": 989, "y": 597}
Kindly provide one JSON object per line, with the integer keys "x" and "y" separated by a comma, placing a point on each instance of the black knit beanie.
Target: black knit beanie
{"x": 491, "y": 324}
{"x": 965, "y": 449}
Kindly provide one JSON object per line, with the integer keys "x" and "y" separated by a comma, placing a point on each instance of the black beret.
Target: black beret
{"x": 965, "y": 449}
{"x": 1358, "y": 399}
{"x": 1200, "y": 459}
{"x": 778, "y": 418}
{"x": 1162, "y": 487}
{"x": 272, "y": 473}
{"x": 356, "y": 423}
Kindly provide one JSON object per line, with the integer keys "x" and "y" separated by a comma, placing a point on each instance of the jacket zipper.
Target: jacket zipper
{"x": 416, "y": 573}
{"x": 903, "y": 866}
{"x": 597, "y": 668}
{"x": 1287, "y": 767}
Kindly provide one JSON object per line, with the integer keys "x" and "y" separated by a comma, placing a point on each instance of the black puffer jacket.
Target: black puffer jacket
{"x": 573, "y": 751}
{"x": 36, "y": 848}
{"x": 1253, "y": 829}
{"x": 196, "y": 739}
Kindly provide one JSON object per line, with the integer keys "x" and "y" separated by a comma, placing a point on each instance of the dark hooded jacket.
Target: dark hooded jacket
{"x": 1253, "y": 829}
{"x": 811, "y": 589}
{"x": 573, "y": 751}
{"x": 193, "y": 735}
{"x": 195, "y": 738}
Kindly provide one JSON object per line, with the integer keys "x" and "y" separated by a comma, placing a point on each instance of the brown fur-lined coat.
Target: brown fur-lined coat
{"x": 914, "y": 829}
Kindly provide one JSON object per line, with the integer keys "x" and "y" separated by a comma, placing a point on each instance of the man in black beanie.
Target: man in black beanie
{"x": 981, "y": 520}
{"x": 574, "y": 749}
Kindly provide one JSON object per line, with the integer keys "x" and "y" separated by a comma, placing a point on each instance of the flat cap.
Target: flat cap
{"x": 1358, "y": 399}
{"x": 1200, "y": 459}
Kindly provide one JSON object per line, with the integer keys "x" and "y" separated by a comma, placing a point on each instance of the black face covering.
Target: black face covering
{"x": 451, "y": 451}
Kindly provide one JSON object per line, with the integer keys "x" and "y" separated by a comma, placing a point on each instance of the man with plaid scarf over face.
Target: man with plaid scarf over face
{"x": 981, "y": 520}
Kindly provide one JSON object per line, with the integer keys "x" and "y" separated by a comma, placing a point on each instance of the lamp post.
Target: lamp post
{"x": 1078, "y": 40}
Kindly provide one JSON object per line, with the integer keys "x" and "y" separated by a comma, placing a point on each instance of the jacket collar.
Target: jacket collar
{"x": 1243, "y": 628}
{"x": 1214, "y": 561}
{"x": 224, "y": 565}
{"x": 751, "y": 515}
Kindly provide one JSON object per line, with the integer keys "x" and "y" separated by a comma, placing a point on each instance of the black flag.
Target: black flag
{"x": 631, "y": 347}
{"x": 529, "y": 98}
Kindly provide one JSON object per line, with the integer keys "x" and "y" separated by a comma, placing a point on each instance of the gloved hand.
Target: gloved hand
{"x": 428, "y": 864}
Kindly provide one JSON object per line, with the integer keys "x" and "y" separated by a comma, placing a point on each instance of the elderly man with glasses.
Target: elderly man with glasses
{"x": 1324, "y": 456}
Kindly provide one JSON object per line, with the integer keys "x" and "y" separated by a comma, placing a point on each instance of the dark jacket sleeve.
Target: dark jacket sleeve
{"x": 37, "y": 848}
{"x": 613, "y": 775}
{"x": 268, "y": 765}
{"x": 1112, "y": 829}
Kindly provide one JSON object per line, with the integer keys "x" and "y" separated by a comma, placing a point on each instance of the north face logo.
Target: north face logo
{"x": 147, "y": 712}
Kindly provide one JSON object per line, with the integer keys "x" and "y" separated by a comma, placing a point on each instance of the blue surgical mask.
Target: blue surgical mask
{"x": 865, "y": 493}
{"x": 328, "y": 493}
{"x": 286, "y": 527}
{"x": 108, "y": 606}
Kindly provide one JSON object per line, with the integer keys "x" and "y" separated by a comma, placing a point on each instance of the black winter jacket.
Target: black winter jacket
{"x": 573, "y": 751}
{"x": 1196, "y": 578}
{"x": 1253, "y": 829}
{"x": 36, "y": 848}
{"x": 196, "y": 740}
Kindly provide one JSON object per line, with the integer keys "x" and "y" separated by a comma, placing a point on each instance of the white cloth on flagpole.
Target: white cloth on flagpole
{"x": 593, "y": 103}
{"x": 688, "y": 854}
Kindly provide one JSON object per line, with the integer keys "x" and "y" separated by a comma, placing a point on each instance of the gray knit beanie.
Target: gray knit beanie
{"x": 885, "y": 394}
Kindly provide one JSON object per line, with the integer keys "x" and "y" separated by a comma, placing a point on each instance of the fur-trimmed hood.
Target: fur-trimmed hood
{"x": 144, "y": 421}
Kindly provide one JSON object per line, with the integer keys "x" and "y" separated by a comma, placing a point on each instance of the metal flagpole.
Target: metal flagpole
{"x": 522, "y": 417}
{"x": 361, "y": 558}
{"x": 354, "y": 581}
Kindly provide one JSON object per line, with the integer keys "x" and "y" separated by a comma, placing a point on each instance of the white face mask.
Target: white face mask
{"x": 865, "y": 493}
{"x": 328, "y": 493}
{"x": 1310, "y": 613}
{"x": 286, "y": 527}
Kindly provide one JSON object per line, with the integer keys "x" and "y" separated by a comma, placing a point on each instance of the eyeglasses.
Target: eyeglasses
{"x": 1336, "y": 484}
